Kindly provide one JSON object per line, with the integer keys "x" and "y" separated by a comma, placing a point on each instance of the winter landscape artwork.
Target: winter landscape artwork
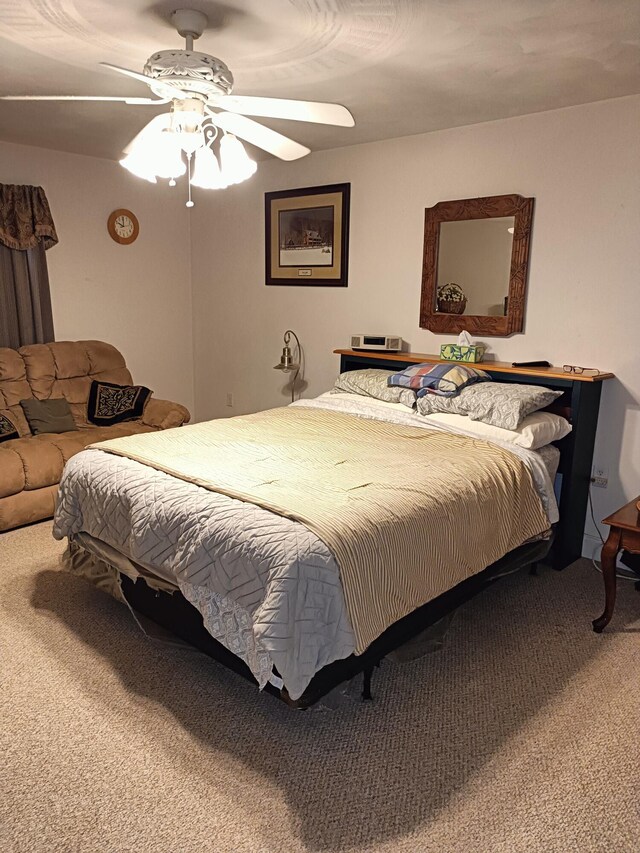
{"x": 306, "y": 237}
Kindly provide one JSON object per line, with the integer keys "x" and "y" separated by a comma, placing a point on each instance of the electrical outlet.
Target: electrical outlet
{"x": 229, "y": 399}
{"x": 599, "y": 476}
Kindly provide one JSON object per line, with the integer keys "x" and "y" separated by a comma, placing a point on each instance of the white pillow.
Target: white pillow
{"x": 535, "y": 431}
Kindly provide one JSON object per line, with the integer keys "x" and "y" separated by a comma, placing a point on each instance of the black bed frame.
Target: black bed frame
{"x": 580, "y": 403}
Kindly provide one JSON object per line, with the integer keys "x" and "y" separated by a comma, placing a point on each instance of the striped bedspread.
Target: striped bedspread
{"x": 407, "y": 512}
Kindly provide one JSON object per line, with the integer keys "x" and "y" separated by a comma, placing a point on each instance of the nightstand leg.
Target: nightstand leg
{"x": 608, "y": 562}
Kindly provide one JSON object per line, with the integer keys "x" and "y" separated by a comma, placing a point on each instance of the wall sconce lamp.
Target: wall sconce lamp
{"x": 287, "y": 364}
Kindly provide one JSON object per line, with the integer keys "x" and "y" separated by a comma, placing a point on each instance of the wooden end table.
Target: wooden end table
{"x": 624, "y": 533}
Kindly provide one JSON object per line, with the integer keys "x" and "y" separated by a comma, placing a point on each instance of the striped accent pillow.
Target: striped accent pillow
{"x": 444, "y": 380}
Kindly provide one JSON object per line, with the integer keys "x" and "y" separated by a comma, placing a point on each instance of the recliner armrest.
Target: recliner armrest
{"x": 164, "y": 414}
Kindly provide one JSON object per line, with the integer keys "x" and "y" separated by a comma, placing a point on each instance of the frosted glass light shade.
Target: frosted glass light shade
{"x": 165, "y": 157}
{"x": 139, "y": 166}
{"x": 155, "y": 155}
{"x": 189, "y": 140}
{"x": 206, "y": 172}
{"x": 237, "y": 166}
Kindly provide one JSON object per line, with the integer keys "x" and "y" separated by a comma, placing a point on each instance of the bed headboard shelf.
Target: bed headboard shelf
{"x": 580, "y": 403}
{"x": 490, "y": 366}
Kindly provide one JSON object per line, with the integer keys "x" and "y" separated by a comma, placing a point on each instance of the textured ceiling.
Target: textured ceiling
{"x": 401, "y": 66}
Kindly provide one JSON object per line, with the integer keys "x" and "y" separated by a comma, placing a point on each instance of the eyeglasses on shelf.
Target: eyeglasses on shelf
{"x": 584, "y": 371}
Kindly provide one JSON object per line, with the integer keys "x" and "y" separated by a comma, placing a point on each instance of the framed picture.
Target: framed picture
{"x": 307, "y": 236}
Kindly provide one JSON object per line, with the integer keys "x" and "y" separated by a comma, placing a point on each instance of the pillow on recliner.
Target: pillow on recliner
{"x": 48, "y": 415}
{"x": 8, "y": 430}
{"x": 111, "y": 404}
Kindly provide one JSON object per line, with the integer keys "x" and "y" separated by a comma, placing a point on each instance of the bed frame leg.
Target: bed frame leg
{"x": 533, "y": 569}
{"x": 366, "y": 682}
{"x": 366, "y": 685}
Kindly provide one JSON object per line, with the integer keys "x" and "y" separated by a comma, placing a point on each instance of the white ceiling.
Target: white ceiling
{"x": 401, "y": 66}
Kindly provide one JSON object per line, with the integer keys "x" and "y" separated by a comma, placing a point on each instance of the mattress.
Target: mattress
{"x": 550, "y": 456}
{"x": 266, "y": 586}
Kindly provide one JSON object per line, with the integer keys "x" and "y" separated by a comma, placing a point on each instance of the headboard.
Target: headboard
{"x": 580, "y": 403}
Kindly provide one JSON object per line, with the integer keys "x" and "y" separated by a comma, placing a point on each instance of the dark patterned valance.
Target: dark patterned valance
{"x": 25, "y": 218}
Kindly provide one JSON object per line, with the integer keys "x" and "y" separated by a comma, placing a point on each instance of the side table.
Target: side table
{"x": 624, "y": 533}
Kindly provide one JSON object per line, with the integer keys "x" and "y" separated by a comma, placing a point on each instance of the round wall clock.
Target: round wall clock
{"x": 123, "y": 227}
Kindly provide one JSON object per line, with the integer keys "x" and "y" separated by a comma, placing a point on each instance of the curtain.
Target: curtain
{"x": 26, "y": 231}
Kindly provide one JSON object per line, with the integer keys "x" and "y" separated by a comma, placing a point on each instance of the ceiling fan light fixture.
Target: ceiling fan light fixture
{"x": 138, "y": 166}
{"x": 237, "y": 166}
{"x": 206, "y": 172}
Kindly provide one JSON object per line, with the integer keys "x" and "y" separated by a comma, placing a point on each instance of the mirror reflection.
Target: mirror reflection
{"x": 474, "y": 266}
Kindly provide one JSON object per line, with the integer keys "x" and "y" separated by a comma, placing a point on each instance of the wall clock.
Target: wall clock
{"x": 123, "y": 227}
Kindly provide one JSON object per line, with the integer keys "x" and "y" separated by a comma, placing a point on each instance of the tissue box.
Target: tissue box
{"x": 458, "y": 352}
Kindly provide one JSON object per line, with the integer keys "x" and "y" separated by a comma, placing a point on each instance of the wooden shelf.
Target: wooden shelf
{"x": 493, "y": 366}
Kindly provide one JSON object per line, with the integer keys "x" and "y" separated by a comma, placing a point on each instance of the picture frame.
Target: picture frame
{"x": 307, "y": 236}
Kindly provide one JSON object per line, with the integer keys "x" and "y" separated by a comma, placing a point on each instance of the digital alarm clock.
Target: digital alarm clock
{"x": 388, "y": 343}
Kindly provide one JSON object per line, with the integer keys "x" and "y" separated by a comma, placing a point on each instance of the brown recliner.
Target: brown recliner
{"x": 31, "y": 465}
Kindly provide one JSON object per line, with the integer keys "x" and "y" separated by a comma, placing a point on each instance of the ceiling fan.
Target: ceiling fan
{"x": 198, "y": 86}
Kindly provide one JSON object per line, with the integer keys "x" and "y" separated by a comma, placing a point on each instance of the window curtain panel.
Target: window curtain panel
{"x": 26, "y": 231}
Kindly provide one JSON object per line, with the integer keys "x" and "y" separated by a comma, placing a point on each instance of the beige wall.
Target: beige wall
{"x": 581, "y": 165}
{"x": 137, "y": 297}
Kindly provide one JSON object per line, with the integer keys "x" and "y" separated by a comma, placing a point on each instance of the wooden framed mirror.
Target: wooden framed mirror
{"x": 481, "y": 245}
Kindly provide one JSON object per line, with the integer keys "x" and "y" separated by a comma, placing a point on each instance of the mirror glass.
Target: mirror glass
{"x": 474, "y": 254}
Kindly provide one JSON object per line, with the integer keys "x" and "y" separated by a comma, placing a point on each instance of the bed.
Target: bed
{"x": 279, "y": 595}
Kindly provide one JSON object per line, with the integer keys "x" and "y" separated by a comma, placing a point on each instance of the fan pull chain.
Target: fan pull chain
{"x": 189, "y": 203}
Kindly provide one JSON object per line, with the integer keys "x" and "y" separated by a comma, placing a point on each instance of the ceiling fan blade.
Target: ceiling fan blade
{"x": 135, "y": 101}
{"x": 167, "y": 91}
{"x": 311, "y": 111}
{"x": 257, "y": 134}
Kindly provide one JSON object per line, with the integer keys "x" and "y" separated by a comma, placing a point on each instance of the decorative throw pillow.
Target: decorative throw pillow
{"x": 48, "y": 415}
{"x": 111, "y": 404}
{"x": 502, "y": 404}
{"x": 8, "y": 429}
{"x": 373, "y": 383}
{"x": 444, "y": 380}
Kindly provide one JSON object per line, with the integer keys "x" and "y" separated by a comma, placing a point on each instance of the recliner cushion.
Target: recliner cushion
{"x": 13, "y": 378}
{"x": 67, "y": 368}
{"x": 37, "y": 462}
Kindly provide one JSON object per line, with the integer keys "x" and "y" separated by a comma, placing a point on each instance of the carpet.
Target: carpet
{"x": 519, "y": 733}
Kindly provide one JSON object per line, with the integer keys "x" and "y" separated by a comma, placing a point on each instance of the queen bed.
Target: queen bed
{"x": 300, "y": 545}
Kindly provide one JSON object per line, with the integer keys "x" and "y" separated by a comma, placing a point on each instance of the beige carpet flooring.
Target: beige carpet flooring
{"x": 522, "y": 733}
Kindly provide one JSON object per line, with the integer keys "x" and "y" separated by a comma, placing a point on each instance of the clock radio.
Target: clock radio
{"x": 388, "y": 343}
